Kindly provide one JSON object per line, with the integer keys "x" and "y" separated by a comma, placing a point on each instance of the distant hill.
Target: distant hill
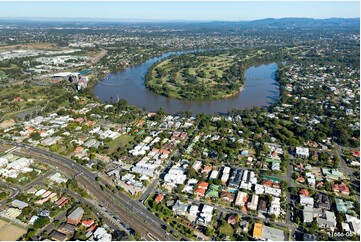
{"x": 210, "y": 25}
{"x": 306, "y": 22}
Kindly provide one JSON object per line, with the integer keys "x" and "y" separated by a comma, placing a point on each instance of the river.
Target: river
{"x": 260, "y": 89}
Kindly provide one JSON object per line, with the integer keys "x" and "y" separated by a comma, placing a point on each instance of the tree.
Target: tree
{"x": 41, "y": 222}
{"x": 209, "y": 232}
{"x": 313, "y": 227}
{"x": 30, "y": 233}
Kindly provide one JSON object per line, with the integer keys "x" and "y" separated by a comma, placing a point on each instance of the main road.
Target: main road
{"x": 128, "y": 210}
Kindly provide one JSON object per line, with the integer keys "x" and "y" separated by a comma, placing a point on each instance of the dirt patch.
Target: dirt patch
{"x": 9, "y": 231}
{"x": 7, "y": 123}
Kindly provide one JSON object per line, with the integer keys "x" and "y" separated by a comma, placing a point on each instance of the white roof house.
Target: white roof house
{"x": 197, "y": 165}
{"x": 275, "y": 207}
{"x": 102, "y": 235}
{"x": 302, "y": 152}
{"x": 20, "y": 164}
{"x": 253, "y": 203}
{"x": 241, "y": 196}
{"x": 225, "y": 177}
{"x": 175, "y": 175}
{"x": 226, "y": 170}
{"x": 214, "y": 174}
{"x": 3, "y": 162}
{"x": 193, "y": 210}
{"x": 19, "y": 204}
{"x": 354, "y": 223}
{"x": 306, "y": 201}
{"x": 206, "y": 215}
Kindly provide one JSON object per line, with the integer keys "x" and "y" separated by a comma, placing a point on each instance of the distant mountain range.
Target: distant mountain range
{"x": 306, "y": 22}
{"x": 262, "y": 23}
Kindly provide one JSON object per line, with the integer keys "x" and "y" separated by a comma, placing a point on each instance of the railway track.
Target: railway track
{"x": 113, "y": 202}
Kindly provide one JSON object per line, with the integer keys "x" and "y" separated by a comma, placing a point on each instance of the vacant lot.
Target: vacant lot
{"x": 9, "y": 231}
{"x": 119, "y": 142}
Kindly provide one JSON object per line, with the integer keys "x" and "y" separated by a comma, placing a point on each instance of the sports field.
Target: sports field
{"x": 9, "y": 231}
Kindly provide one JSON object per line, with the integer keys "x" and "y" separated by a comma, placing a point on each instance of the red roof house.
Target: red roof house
{"x": 159, "y": 198}
{"x": 200, "y": 192}
{"x": 87, "y": 222}
{"x": 304, "y": 192}
{"x": 203, "y": 185}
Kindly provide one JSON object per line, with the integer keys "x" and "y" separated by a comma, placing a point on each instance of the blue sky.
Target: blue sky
{"x": 181, "y": 10}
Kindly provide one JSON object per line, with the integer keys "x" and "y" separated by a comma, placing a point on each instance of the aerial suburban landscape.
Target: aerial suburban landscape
{"x": 171, "y": 128}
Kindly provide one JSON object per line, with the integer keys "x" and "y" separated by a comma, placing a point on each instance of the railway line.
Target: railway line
{"x": 126, "y": 209}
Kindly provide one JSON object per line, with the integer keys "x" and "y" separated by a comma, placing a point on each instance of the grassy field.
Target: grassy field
{"x": 33, "y": 98}
{"x": 8, "y": 231}
{"x": 30, "y": 46}
{"x": 198, "y": 74}
{"x": 119, "y": 142}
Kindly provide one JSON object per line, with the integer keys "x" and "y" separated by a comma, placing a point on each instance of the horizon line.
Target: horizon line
{"x": 160, "y": 20}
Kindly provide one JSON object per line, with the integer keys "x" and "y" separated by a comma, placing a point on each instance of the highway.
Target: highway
{"x": 128, "y": 210}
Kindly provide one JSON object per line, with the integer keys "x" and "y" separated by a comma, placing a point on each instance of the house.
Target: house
{"x": 78, "y": 150}
{"x": 262, "y": 206}
{"x": 232, "y": 219}
{"x": 206, "y": 214}
{"x": 257, "y": 231}
{"x": 19, "y": 204}
{"x": 87, "y": 222}
{"x": 311, "y": 179}
{"x": 63, "y": 201}
{"x": 344, "y": 206}
{"x": 241, "y": 198}
{"x": 200, "y": 192}
{"x": 304, "y": 192}
{"x": 354, "y": 223}
{"x": 180, "y": 208}
{"x": 226, "y": 170}
{"x": 207, "y": 169}
{"x": 197, "y": 165}
{"x": 66, "y": 228}
{"x": 244, "y": 224}
{"x": 203, "y": 185}
{"x": 224, "y": 177}
{"x": 57, "y": 236}
{"x": 306, "y": 201}
{"x": 159, "y": 198}
{"x": 309, "y": 213}
{"x": 18, "y": 99}
{"x": 266, "y": 233}
{"x": 227, "y": 196}
{"x": 236, "y": 178}
{"x": 214, "y": 174}
{"x": 253, "y": 204}
{"x": 272, "y": 234}
{"x": 340, "y": 188}
{"x": 75, "y": 217}
{"x": 212, "y": 191}
{"x": 332, "y": 174}
{"x": 175, "y": 175}
{"x": 300, "y": 179}
{"x": 323, "y": 201}
{"x": 193, "y": 210}
{"x": 327, "y": 220}
{"x": 275, "y": 208}
{"x": 101, "y": 234}
{"x": 302, "y": 152}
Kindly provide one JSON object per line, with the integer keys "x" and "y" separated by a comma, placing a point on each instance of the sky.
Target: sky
{"x": 199, "y": 11}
